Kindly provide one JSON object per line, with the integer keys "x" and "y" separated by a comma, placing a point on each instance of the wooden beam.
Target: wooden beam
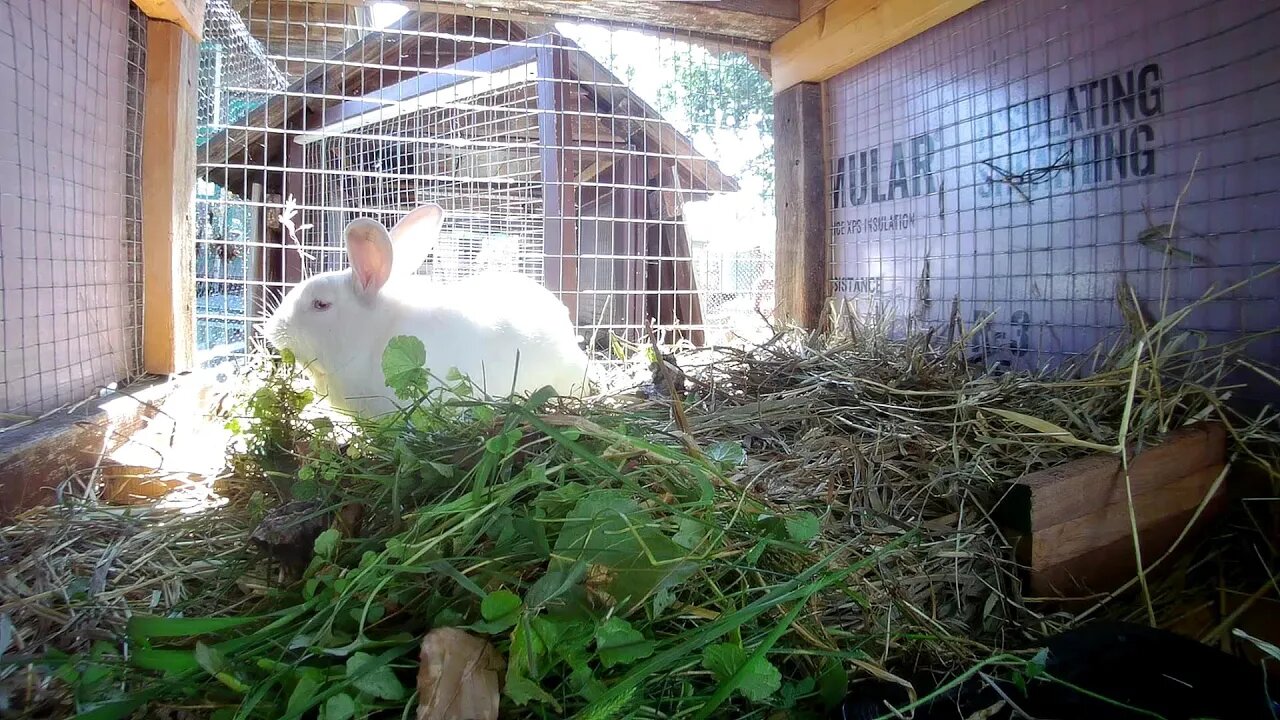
{"x": 188, "y": 14}
{"x": 759, "y": 20}
{"x": 846, "y": 32}
{"x": 800, "y": 265}
{"x": 504, "y": 58}
{"x": 809, "y": 8}
{"x": 168, "y": 200}
{"x": 559, "y": 201}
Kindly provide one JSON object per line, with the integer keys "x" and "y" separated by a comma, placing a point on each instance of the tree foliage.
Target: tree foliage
{"x": 725, "y": 91}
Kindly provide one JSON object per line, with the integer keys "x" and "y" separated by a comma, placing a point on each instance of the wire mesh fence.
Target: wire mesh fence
{"x": 71, "y": 86}
{"x": 629, "y": 171}
{"x": 1021, "y": 166}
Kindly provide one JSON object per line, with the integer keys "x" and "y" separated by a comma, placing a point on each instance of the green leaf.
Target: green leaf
{"x": 793, "y": 693}
{"x": 503, "y": 443}
{"x": 443, "y": 470}
{"x": 759, "y": 680}
{"x": 663, "y": 598}
{"x": 620, "y": 644}
{"x": 559, "y": 502}
{"x": 447, "y": 617}
{"x": 305, "y": 490}
{"x": 610, "y": 529}
{"x": 803, "y": 527}
{"x": 1035, "y": 668}
{"x": 403, "y": 357}
{"x": 555, "y": 584}
{"x": 163, "y": 660}
{"x": 521, "y": 690}
{"x": 727, "y": 454}
{"x": 395, "y": 549}
{"x": 367, "y": 676}
{"x": 723, "y": 660}
{"x": 302, "y": 696}
{"x": 833, "y": 684}
{"x": 539, "y": 398}
{"x": 339, "y": 707}
{"x": 534, "y": 531}
{"x": 209, "y": 658}
{"x": 501, "y": 609}
{"x": 143, "y": 627}
{"x": 326, "y": 543}
{"x": 690, "y": 531}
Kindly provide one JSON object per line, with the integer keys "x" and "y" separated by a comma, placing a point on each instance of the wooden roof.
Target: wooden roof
{"x": 382, "y": 63}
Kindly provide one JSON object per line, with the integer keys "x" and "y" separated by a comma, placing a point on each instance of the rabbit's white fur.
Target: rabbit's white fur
{"x": 338, "y": 323}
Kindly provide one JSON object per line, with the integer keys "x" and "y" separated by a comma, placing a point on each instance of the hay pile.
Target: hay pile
{"x": 809, "y": 513}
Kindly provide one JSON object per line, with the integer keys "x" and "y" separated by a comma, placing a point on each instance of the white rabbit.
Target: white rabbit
{"x": 337, "y": 324}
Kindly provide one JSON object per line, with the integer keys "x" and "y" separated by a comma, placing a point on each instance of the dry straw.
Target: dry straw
{"x": 882, "y": 438}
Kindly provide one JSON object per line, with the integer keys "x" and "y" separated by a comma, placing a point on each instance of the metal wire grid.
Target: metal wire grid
{"x": 68, "y": 289}
{"x": 487, "y": 182}
{"x": 134, "y": 98}
{"x": 620, "y": 172}
{"x": 1034, "y": 213}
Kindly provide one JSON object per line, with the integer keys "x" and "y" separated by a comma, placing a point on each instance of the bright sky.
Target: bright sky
{"x": 385, "y": 13}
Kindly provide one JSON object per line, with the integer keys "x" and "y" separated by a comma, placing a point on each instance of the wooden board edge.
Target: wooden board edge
{"x": 186, "y": 14}
{"x": 1079, "y": 536}
{"x": 168, "y": 200}
{"x": 1105, "y": 568}
{"x": 844, "y": 33}
{"x": 1088, "y": 484}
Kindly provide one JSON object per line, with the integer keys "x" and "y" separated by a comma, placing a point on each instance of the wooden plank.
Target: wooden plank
{"x": 1112, "y": 564}
{"x": 760, "y": 20}
{"x": 187, "y": 14}
{"x": 847, "y": 32}
{"x": 800, "y": 265}
{"x": 1074, "y": 538}
{"x": 168, "y": 200}
{"x": 505, "y": 57}
{"x": 559, "y": 201}
{"x": 35, "y": 459}
{"x": 1085, "y": 486}
{"x": 809, "y": 8}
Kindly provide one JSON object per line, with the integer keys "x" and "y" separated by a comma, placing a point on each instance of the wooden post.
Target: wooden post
{"x": 188, "y": 14}
{"x": 634, "y": 178}
{"x": 801, "y": 259}
{"x": 839, "y": 34}
{"x": 559, "y": 206}
{"x": 168, "y": 200}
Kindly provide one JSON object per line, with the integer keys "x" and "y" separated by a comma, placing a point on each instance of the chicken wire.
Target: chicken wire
{"x": 71, "y": 89}
{"x": 628, "y": 171}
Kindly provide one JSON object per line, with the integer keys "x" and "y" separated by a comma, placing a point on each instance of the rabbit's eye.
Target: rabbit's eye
{"x": 320, "y": 304}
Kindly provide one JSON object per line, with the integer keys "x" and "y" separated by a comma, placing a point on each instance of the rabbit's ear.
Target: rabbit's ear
{"x": 415, "y": 236}
{"x": 369, "y": 252}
